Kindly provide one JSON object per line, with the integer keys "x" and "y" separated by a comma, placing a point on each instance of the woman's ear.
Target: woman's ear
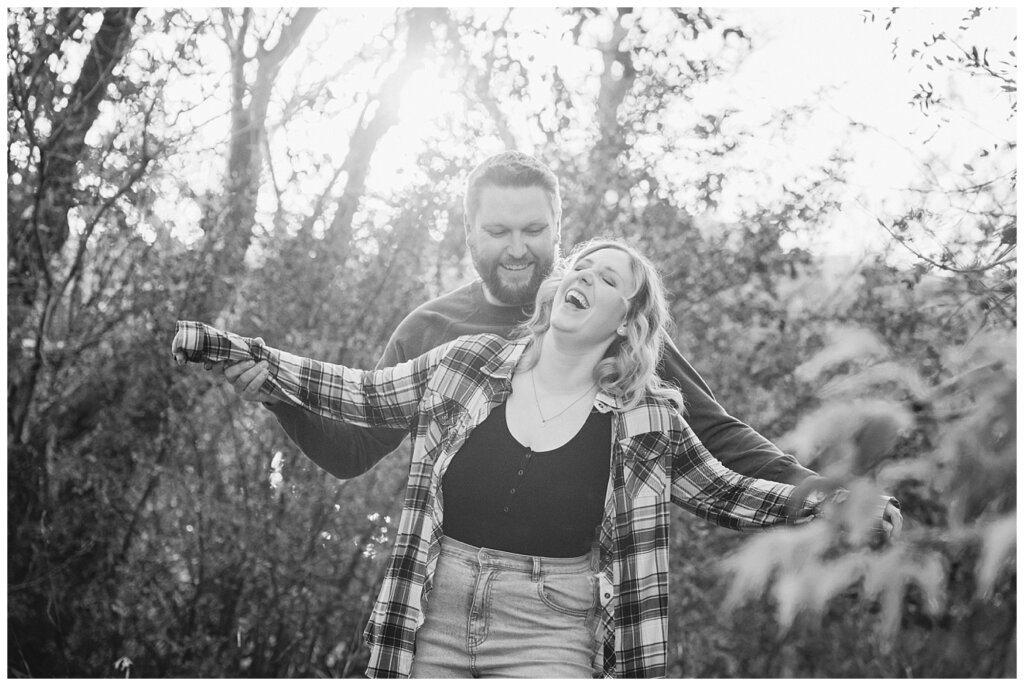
{"x": 621, "y": 330}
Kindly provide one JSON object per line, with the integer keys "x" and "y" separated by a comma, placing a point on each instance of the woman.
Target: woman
{"x": 533, "y": 539}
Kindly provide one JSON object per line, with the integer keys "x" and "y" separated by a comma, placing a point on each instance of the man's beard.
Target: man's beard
{"x": 510, "y": 294}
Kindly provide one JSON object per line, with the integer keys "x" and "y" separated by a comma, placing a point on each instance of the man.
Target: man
{"x": 513, "y": 224}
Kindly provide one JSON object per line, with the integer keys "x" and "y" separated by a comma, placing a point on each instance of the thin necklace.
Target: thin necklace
{"x": 544, "y": 420}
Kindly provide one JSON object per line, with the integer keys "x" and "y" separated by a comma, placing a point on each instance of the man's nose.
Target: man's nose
{"x": 517, "y": 246}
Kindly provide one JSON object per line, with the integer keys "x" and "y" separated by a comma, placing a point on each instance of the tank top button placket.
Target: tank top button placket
{"x": 523, "y": 465}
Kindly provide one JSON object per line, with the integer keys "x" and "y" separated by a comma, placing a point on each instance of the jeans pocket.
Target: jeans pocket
{"x": 570, "y": 594}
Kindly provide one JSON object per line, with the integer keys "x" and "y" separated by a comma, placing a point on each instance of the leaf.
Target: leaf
{"x": 999, "y": 540}
{"x": 785, "y": 550}
{"x": 790, "y": 595}
{"x": 861, "y": 512}
{"x": 751, "y": 567}
{"x": 845, "y": 344}
{"x": 884, "y": 373}
{"x": 890, "y": 573}
{"x": 847, "y": 437}
{"x": 928, "y": 573}
{"x": 1009, "y": 235}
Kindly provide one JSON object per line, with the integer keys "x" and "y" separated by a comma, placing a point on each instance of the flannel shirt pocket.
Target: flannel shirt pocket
{"x": 439, "y": 414}
{"x": 646, "y": 466}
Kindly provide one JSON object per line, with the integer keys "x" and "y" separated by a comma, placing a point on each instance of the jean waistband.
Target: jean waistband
{"x": 526, "y": 563}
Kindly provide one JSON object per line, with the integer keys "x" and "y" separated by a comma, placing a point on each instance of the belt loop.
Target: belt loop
{"x": 536, "y": 569}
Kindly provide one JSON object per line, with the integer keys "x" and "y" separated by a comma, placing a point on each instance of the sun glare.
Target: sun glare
{"x": 428, "y": 95}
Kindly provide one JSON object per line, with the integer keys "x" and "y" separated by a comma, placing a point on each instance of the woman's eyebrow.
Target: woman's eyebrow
{"x": 586, "y": 262}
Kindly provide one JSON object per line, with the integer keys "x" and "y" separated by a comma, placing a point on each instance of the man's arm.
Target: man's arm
{"x": 729, "y": 440}
{"x": 344, "y": 450}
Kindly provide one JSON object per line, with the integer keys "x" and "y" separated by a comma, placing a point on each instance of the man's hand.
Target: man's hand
{"x": 247, "y": 377}
{"x": 892, "y": 520}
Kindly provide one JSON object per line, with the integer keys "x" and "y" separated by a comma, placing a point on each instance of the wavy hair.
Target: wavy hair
{"x": 628, "y": 371}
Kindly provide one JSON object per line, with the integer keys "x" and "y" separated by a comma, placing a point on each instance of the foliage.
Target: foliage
{"x": 909, "y": 388}
{"x": 217, "y": 165}
{"x": 954, "y": 471}
{"x": 962, "y": 217}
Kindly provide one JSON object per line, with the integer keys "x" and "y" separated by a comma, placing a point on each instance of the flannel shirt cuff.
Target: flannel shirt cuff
{"x": 202, "y": 343}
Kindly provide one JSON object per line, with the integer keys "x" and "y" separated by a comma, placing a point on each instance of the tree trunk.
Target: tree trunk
{"x": 364, "y": 140}
{"x": 229, "y": 231}
{"x": 35, "y": 239}
{"x": 603, "y": 164}
{"x": 38, "y": 234}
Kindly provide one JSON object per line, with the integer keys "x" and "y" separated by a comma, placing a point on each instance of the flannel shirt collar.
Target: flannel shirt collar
{"x": 647, "y": 417}
{"x": 502, "y": 365}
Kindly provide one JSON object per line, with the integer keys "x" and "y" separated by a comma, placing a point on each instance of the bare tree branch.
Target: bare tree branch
{"x": 482, "y": 80}
{"x": 232, "y": 230}
{"x": 364, "y": 140}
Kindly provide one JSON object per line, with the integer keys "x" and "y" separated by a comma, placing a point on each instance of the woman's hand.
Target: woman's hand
{"x": 892, "y": 520}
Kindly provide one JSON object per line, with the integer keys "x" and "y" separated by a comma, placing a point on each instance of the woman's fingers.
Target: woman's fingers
{"x": 892, "y": 521}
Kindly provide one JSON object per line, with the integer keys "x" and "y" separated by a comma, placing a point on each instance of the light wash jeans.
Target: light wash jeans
{"x": 497, "y": 614}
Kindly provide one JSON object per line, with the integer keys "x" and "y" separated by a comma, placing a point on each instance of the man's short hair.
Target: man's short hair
{"x": 510, "y": 170}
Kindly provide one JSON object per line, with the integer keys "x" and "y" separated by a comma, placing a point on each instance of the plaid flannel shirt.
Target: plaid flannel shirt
{"x": 441, "y": 396}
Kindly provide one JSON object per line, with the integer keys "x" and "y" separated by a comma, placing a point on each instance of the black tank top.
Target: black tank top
{"x": 499, "y": 494}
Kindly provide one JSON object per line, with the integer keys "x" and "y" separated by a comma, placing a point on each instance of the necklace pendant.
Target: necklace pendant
{"x": 540, "y": 413}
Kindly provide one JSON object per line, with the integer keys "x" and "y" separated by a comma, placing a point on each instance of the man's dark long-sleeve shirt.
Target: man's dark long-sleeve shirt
{"x": 347, "y": 451}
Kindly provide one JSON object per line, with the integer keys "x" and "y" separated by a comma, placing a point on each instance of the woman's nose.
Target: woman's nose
{"x": 587, "y": 277}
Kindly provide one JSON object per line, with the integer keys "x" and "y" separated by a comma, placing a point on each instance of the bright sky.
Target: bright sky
{"x": 799, "y": 51}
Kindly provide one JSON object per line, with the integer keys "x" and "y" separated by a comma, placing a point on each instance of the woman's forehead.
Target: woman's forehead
{"x": 611, "y": 258}
{"x": 615, "y": 258}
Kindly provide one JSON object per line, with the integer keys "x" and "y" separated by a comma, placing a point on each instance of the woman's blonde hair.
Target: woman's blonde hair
{"x": 629, "y": 370}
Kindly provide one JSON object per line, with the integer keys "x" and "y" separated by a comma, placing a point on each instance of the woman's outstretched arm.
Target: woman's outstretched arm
{"x": 382, "y": 397}
{"x": 704, "y": 486}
